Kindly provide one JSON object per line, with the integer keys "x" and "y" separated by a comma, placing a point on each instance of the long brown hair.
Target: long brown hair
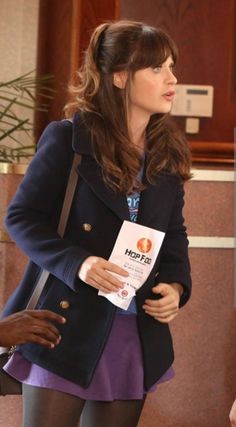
{"x": 125, "y": 46}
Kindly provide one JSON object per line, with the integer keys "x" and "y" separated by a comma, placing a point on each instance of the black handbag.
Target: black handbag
{"x": 8, "y": 384}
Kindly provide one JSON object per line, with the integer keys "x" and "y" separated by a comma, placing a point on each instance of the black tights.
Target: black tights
{"x": 50, "y": 408}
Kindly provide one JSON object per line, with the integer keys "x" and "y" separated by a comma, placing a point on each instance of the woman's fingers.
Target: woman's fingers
{"x": 101, "y": 274}
{"x": 166, "y": 319}
{"x": 107, "y": 279}
{"x": 165, "y": 309}
{"x": 159, "y": 307}
{"x": 163, "y": 314}
{"x": 163, "y": 317}
{"x": 96, "y": 284}
{"x": 102, "y": 284}
{"x": 114, "y": 268}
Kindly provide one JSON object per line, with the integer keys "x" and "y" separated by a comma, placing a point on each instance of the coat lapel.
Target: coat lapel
{"x": 90, "y": 171}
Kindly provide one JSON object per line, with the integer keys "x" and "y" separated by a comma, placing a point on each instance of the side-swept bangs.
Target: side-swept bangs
{"x": 153, "y": 48}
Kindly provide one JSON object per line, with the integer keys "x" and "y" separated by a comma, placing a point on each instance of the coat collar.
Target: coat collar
{"x": 81, "y": 142}
{"x": 91, "y": 173}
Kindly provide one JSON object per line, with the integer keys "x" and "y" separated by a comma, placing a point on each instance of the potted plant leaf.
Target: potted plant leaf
{"x": 18, "y": 103}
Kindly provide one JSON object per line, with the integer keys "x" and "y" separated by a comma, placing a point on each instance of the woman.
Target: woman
{"x": 133, "y": 167}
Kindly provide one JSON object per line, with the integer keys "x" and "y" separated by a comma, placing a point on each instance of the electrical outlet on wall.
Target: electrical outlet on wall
{"x": 192, "y": 125}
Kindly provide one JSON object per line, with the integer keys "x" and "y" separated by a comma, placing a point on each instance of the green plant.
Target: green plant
{"x": 17, "y": 97}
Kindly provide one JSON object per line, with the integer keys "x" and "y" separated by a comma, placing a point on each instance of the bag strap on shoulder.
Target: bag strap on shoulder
{"x": 69, "y": 195}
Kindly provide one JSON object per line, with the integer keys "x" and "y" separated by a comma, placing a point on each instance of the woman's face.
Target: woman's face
{"x": 152, "y": 90}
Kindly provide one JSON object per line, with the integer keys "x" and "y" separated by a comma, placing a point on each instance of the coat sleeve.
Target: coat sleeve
{"x": 34, "y": 211}
{"x": 174, "y": 260}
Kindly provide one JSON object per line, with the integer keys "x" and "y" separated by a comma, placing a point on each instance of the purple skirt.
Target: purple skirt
{"x": 119, "y": 374}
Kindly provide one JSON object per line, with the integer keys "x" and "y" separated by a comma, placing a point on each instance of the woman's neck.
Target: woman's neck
{"x": 137, "y": 131}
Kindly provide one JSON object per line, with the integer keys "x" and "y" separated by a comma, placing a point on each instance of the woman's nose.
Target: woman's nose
{"x": 171, "y": 77}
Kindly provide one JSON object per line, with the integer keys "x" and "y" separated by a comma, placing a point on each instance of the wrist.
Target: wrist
{"x": 178, "y": 287}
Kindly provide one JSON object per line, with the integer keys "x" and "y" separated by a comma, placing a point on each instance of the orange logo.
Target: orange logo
{"x": 144, "y": 245}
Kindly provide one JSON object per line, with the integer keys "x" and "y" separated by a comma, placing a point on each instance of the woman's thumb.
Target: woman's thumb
{"x": 161, "y": 288}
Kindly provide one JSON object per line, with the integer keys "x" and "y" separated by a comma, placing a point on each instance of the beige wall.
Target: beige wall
{"x": 18, "y": 36}
{"x": 18, "y": 40}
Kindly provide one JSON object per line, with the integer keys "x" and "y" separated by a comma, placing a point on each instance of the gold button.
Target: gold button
{"x": 87, "y": 227}
{"x": 64, "y": 304}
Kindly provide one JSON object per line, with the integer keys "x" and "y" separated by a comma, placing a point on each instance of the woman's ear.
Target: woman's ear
{"x": 120, "y": 79}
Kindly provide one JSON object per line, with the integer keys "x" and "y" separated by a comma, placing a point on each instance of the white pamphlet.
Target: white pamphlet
{"x": 135, "y": 250}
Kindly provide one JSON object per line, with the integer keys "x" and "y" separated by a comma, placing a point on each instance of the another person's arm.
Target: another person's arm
{"x": 30, "y": 326}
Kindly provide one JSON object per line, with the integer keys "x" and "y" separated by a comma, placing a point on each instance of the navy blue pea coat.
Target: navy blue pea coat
{"x": 32, "y": 222}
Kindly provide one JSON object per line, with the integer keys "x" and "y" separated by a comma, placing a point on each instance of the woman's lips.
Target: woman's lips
{"x": 169, "y": 96}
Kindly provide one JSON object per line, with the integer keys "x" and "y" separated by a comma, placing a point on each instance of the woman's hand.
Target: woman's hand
{"x": 30, "y": 326}
{"x": 97, "y": 272}
{"x": 166, "y": 308}
{"x": 232, "y": 415}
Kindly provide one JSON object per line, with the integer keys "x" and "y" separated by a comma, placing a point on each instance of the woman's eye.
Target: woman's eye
{"x": 157, "y": 69}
